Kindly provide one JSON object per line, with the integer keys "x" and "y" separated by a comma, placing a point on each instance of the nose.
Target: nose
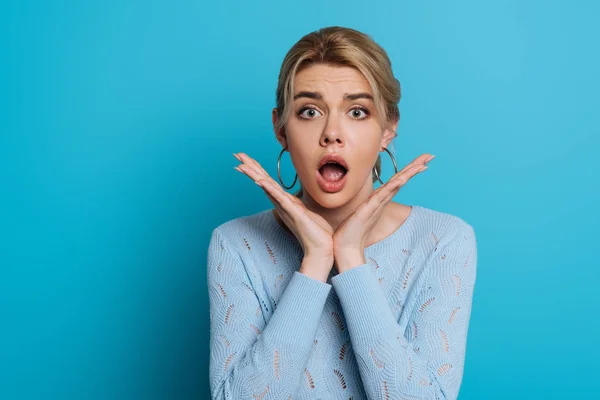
{"x": 331, "y": 134}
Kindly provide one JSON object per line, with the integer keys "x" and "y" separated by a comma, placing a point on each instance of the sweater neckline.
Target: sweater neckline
{"x": 403, "y": 227}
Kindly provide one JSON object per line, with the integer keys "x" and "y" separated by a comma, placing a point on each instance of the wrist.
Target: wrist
{"x": 319, "y": 256}
{"x": 316, "y": 267}
{"x": 346, "y": 259}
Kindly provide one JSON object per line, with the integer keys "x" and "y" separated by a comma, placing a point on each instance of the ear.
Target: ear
{"x": 281, "y": 137}
{"x": 388, "y": 135}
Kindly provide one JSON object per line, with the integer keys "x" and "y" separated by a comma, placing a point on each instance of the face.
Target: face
{"x": 333, "y": 112}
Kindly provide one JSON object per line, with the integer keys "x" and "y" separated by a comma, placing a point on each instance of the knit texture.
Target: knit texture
{"x": 392, "y": 328}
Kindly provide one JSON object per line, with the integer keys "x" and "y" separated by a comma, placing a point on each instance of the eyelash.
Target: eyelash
{"x": 363, "y": 109}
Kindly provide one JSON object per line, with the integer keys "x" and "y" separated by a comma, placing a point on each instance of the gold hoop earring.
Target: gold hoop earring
{"x": 279, "y": 171}
{"x": 393, "y": 161}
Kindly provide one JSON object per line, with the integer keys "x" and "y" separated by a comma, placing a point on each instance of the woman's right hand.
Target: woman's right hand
{"x": 312, "y": 231}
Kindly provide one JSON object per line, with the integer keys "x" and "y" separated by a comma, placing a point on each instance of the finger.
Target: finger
{"x": 423, "y": 159}
{"x": 289, "y": 207}
{"x": 273, "y": 189}
{"x": 381, "y": 205}
{"x": 247, "y": 160}
{"x": 253, "y": 174}
{"x": 257, "y": 172}
{"x": 368, "y": 208}
{"x": 259, "y": 167}
{"x": 280, "y": 196}
{"x": 267, "y": 187}
{"x": 407, "y": 173}
{"x": 266, "y": 190}
{"x": 390, "y": 196}
{"x": 393, "y": 183}
{"x": 397, "y": 179}
{"x": 398, "y": 185}
{"x": 391, "y": 188}
{"x": 375, "y": 192}
{"x": 257, "y": 176}
{"x": 382, "y": 195}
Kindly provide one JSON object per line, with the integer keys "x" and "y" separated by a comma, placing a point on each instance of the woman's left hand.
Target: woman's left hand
{"x": 350, "y": 236}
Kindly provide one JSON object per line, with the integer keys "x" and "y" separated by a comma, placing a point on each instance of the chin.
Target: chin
{"x": 334, "y": 200}
{"x": 329, "y": 200}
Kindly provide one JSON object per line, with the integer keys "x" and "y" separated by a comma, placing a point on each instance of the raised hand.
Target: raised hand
{"x": 350, "y": 236}
{"x": 312, "y": 231}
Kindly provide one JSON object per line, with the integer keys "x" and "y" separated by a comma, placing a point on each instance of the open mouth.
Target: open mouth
{"x": 332, "y": 171}
{"x": 332, "y": 176}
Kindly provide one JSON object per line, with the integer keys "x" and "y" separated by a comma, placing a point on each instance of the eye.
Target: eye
{"x": 356, "y": 113}
{"x": 310, "y": 114}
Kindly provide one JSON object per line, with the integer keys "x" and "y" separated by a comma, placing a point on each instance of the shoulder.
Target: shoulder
{"x": 442, "y": 230}
{"x": 442, "y": 222}
{"x": 448, "y": 245}
{"x": 238, "y": 232}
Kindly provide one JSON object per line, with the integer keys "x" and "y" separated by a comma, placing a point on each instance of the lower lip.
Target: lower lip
{"x": 331, "y": 187}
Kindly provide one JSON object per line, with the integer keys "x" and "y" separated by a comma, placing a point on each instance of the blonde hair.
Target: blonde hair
{"x": 341, "y": 46}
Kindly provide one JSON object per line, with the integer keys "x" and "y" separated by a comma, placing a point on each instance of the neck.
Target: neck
{"x": 336, "y": 215}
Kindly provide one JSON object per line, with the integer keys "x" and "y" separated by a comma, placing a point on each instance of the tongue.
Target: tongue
{"x": 332, "y": 172}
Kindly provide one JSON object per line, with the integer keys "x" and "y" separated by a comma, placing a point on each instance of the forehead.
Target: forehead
{"x": 331, "y": 79}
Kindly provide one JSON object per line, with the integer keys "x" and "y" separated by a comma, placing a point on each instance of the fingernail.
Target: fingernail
{"x": 430, "y": 158}
{"x": 423, "y": 169}
{"x": 237, "y": 169}
{"x": 236, "y": 156}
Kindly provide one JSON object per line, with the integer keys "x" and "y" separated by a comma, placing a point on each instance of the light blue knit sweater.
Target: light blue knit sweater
{"x": 393, "y": 328}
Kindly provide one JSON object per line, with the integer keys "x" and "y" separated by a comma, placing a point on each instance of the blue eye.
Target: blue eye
{"x": 309, "y": 116}
{"x": 360, "y": 109}
{"x": 311, "y": 112}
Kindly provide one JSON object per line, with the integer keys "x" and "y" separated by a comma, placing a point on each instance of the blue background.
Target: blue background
{"x": 118, "y": 120}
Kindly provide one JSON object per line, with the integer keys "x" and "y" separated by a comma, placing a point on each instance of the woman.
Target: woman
{"x": 339, "y": 292}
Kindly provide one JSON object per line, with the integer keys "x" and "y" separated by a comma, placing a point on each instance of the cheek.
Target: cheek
{"x": 365, "y": 148}
{"x": 364, "y": 135}
{"x": 302, "y": 153}
{"x": 304, "y": 142}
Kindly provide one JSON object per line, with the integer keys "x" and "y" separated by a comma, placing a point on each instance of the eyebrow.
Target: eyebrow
{"x": 347, "y": 96}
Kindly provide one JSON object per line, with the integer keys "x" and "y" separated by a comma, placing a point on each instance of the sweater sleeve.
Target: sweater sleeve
{"x": 425, "y": 360}
{"x": 248, "y": 357}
